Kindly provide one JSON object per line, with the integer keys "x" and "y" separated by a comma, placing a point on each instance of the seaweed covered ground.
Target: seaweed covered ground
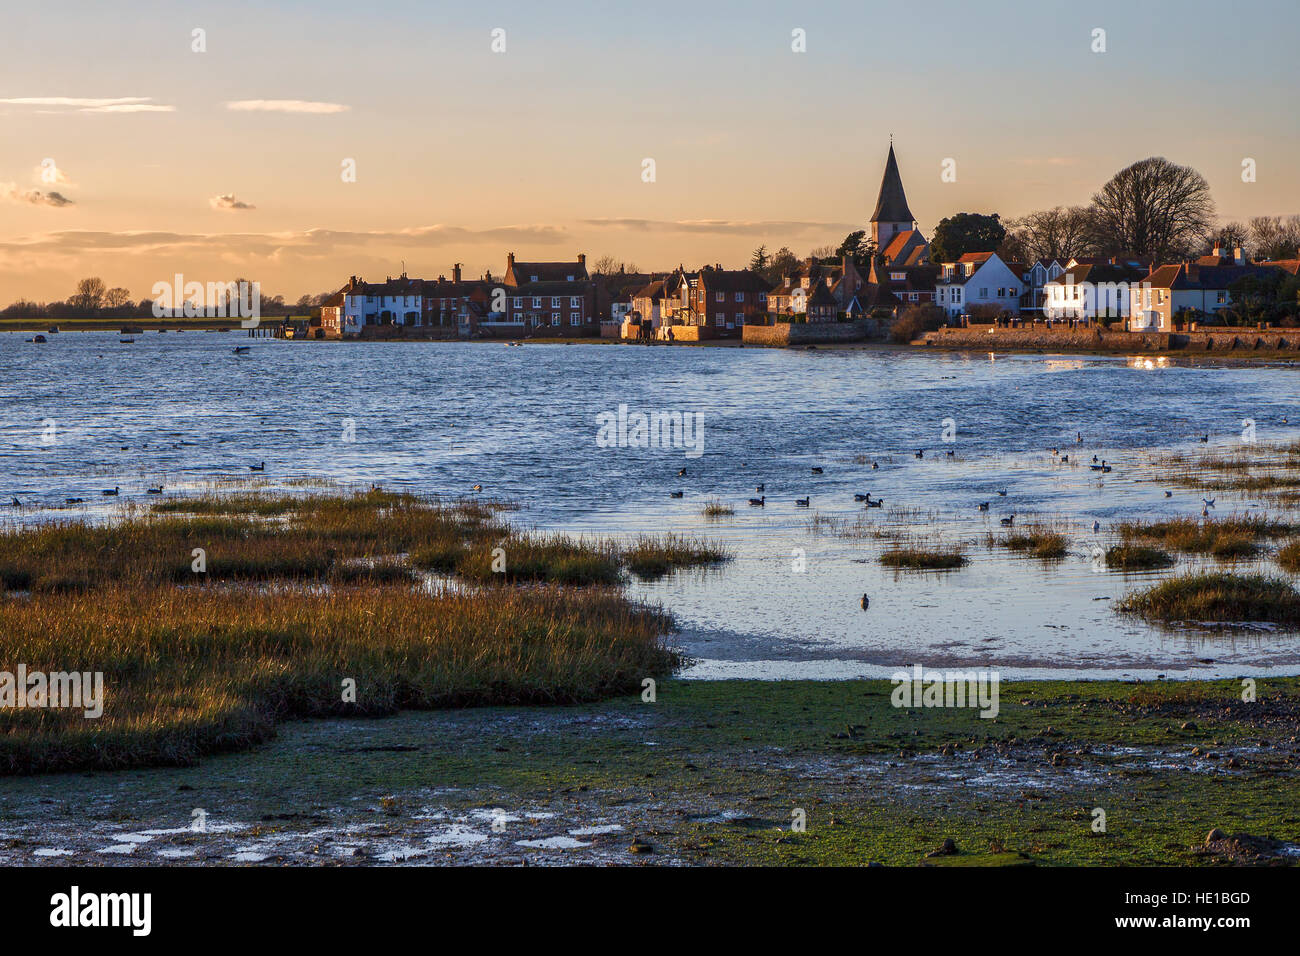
{"x": 713, "y": 772}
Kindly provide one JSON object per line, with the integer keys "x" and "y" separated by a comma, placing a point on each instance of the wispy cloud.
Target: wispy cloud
{"x": 285, "y": 106}
{"x": 91, "y": 104}
{"x": 33, "y": 197}
{"x": 228, "y": 203}
{"x": 311, "y": 243}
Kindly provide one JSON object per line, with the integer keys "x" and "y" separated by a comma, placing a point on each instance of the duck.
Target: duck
{"x": 1078, "y": 438}
{"x": 1096, "y": 526}
{"x": 1101, "y": 467}
{"x": 682, "y": 473}
{"x": 15, "y": 502}
{"x": 1065, "y": 459}
{"x": 1169, "y": 494}
{"x": 816, "y": 471}
{"x": 952, "y": 454}
{"x": 920, "y": 453}
{"x": 1002, "y": 493}
{"x": 1208, "y": 502}
{"x": 802, "y": 502}
{"x": 74, "y": 501}
{"x": 110, "y": 492}
{"x": 875, "y": 465}
{"x": 154, "y": 491}
{"x": 983, "y": 506}
{"x": 1105, "y": 468}
{"x": 1008, "y": 522}
{"x": 875, "y": 502}
{"x": 1094, "y": 459}
{"x": 761, "y": 488}
{"x": 758, "y": 502}
{"x": 676, "y": 494}
{"x": 866, "y": 497}
{"x": 261, "y": 467}
{"x": 1205, "y": 439}
{"x": 866, "y": 602}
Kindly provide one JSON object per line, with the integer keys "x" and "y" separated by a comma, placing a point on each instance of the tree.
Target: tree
{"x": 823, "y": 252}
{"x": 89, "y": 295}
{"x": 1229, "y": 236}
{"x": 857, "y": 247}
{"x": 1272, "y": 237}
{"x": 963, "y": 233}
{"x": 117, "y": 297}
{"x": 1155, "y": 208}
{"x": 606, "y": 266}
{"x": 1060, "y": 233}
{"x": 784, "y": 262}
{"x": 759, "y": 261}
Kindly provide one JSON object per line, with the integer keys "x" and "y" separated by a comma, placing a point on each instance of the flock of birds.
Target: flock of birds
{"x": 116, "y": 490}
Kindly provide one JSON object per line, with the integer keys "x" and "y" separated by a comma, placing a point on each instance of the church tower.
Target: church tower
{"x": 892, "y": 215}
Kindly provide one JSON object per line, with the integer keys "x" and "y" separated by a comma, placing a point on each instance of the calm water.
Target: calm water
{"x": 439, "y": 418}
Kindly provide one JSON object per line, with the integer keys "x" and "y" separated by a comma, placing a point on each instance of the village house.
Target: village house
{"x": 723, "y": 299}
{"x": 555, "y": 297}
{"x": 1187, "y": 290}
{"x": 976, "y": 280}
{"x": 1035, "y": 279}
{"x": 1086, "y": 291}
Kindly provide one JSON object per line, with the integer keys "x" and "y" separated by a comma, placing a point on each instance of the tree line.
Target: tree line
{"x": 94, "y": 299}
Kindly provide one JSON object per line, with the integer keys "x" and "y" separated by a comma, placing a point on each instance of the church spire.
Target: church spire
{"x": 892, "y": 204}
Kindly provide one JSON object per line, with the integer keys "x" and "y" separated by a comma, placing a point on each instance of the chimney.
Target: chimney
{"x": 455, "y": 272}
{"x": 582, "y": 259}
{"x": 1237, "y": 256}
{"x": 1218, "y": 250}
{"x": 510, "y": 261}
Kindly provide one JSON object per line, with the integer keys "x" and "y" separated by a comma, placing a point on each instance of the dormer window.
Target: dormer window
{"x": 532, "y": 278}
{"x": 570, "y": 278}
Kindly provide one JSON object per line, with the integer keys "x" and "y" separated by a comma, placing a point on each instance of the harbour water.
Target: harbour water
{"x": 84, "y": 412}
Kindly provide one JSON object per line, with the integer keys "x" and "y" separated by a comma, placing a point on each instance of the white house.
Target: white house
{"x": 1086, "y": 291}
{"x": 977, "y": 279}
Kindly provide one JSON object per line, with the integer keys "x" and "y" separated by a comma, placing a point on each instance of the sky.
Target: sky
{"x": 230, "y": 162}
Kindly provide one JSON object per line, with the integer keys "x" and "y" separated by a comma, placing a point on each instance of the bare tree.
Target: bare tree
{"x": 606, "y": 266}
{"x": 89, "y": 295}
{"x": 1229, "y": 236}
{"x": 117, "y": 297}
{"x": 1061, "y": 233}
{"x": 1155, "y": 208}
{"x": 1272, "y": 237}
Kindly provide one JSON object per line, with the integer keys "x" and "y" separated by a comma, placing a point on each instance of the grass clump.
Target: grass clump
{"x": 1218, "y": 597}
{"x": 195, "y": 671}
{"x": 714, "y": 509}
{"x": 1037, "y": 542}
{"x": 1289, "y": 557}
{"x": 923, "y": 559}
{"x": 1228, "y": 538}
{"x": 1137, "y": 557}
{"x": 652, "y": 556}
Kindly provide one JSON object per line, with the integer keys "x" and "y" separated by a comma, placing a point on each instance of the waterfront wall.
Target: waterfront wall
{"x": 989, "y": 338}
{"x": 814, "y": 333}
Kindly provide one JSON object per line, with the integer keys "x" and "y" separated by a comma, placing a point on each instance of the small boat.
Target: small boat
{"x": 242, "y": 349}
{"x": 39, "y": 338}
{"x": 126, "y": 341}
{"x": 131, "y": 330}
{"x": 54, "y": 330}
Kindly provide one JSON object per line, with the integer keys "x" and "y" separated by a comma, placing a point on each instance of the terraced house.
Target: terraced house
{"x": 557, "y": 298}
{"x": 725, "y": 299}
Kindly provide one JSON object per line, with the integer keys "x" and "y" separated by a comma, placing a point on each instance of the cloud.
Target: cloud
{"x": 228, "y": 203}
{"x": 243, "y": 247}
{"x": 91, "y": 104}
{"x": 735, "y": 227}
{"x": 285, "y": 106}
{"x": 11, "y": 193}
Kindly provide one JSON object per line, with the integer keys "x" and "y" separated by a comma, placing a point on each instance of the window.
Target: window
{"x": 537, "y": 302}
{"x": 1222, "y": 298}
{"x": 720, "y": 318}
{"x": 720, "y": 297}
{"x": 555, "y": 318}
{"x": 532, "y": 278}
{"x": 519, "y": 303}
{"x": 555, "y": 302}
{"x": 575, "y": 319}
{"x": 984, "y": 293}
{"x": 913, "y": 297}
{"x": 740, "y": 318}
{"x": 898, "y": 276}
{"x": 569, "y": 278}
{"x": 573, "y": 301}
{"x": 762, "y": 297}
{"x": 740, "y": 297}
